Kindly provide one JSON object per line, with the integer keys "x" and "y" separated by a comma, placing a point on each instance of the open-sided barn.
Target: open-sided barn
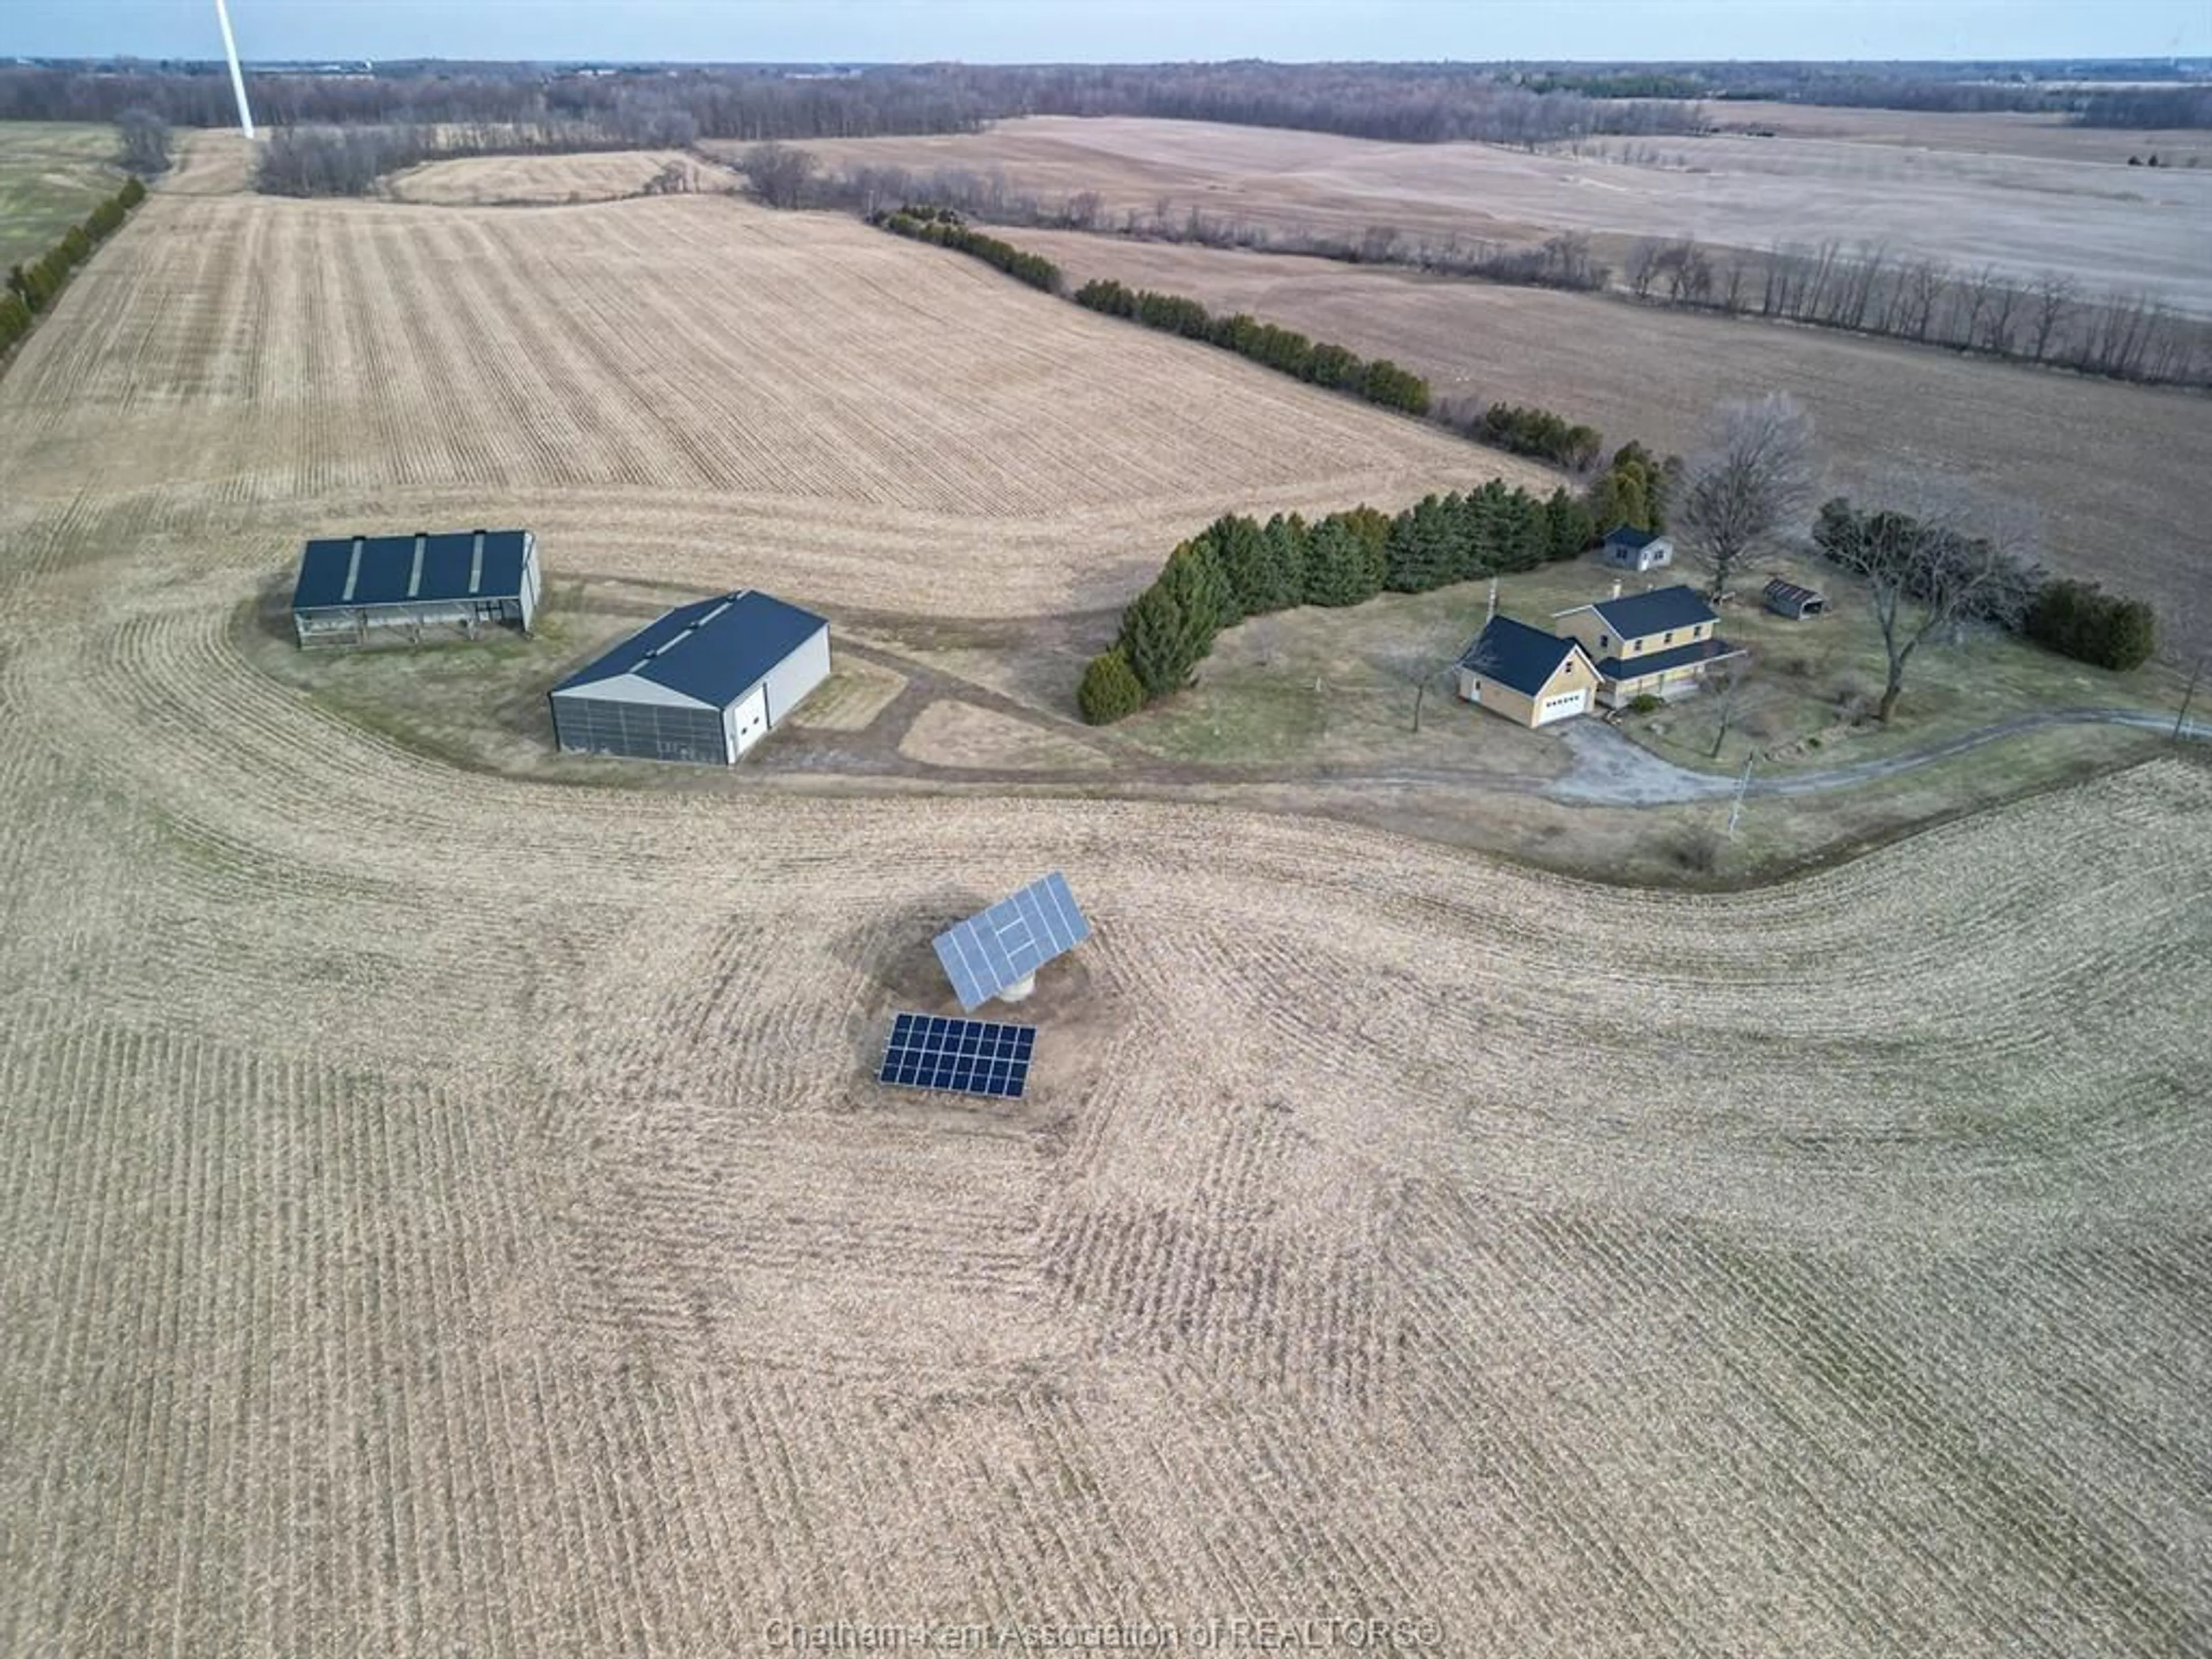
{"x": 373, "y": 590}
{"x": 705, "y": 682}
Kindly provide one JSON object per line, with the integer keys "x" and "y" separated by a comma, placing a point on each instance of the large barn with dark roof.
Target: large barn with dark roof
{"x": 408, "y": 589}
{"x": 704, "y": 684}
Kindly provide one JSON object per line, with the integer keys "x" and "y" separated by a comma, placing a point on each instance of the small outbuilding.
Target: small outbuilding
{"x": 703, "y": 683}
{"x": 1629, "y": 549}
{"x": 1528, "y": 675}
{"x": 1787, "y": 599}
{"x": 412, "y": 590}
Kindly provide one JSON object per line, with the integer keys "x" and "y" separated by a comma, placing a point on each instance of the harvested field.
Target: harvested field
{"x": 2040, "y": 137}
{"x": 449, "y": 1211}
{"x": 2124, "y": 227}
{"x": 2111, "y": 470}
{"x": 508, "y": 180}
{"x": 353, "y": 360}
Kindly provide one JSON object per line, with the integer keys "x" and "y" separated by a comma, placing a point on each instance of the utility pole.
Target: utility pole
{"x": 2181, "y": 720}
{"x": 1743, "y": 783}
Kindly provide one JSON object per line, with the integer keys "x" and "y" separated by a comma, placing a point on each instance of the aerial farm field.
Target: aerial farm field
{"x": 2124, "y": 228}
{"x": 52, "y": 174}
{"x": 510, "y": 180}
{"x": 447, "y": 1208}
{"x": 2109, "y": 470}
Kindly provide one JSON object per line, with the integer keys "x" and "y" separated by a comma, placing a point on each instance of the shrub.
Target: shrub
{"x": 1645, "y": 703}
{"x": 1110, "y": 691}
{"x": 1697, "y": 849}
{"x": 1287, "y": 352}
{"x": 942, "y": 227}
{"x": 2078, "y": 620}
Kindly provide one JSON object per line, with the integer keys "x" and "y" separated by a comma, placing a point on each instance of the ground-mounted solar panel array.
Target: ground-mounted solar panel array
{"x": 1007, "y": 943}
{"x": 959, "y": 1056}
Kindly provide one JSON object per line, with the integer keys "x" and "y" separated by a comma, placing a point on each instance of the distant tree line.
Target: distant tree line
{"x": 942, "y": 227}
{"x": 741, "y": 103}
{"x": 1428, "y": 103}
{"x": 2148, "y": 106}
{"x": 1238, "y": 567}
{"x": 2047, "y": 320}
{"x": 33, "y": 285}
{"x": 1286, "y": 350}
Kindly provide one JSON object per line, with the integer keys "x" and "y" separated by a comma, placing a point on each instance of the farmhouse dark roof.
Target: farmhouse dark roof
{"x": 340, "y": 572}
{"x": 1782, "y": 592}
{"x": 715, "y": 650}
{"x": 1658, "y": 662}
{"x": 1627, "y": 535}
{"x": 1634, "y": 614}
{"x": 1517, "y": 655}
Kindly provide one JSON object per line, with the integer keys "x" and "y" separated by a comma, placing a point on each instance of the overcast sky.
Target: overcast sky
{"x": 1120, "y": 31}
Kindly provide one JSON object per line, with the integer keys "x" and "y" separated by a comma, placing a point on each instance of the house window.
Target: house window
{"x": 1604, "y": 639}
{"x": 1669, "y": 640}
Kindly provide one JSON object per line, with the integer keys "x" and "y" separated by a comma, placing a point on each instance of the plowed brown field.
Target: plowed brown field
{"x": 450, "y": 1213}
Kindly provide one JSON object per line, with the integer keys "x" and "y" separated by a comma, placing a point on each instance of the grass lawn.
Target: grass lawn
{"x": 479, "y": 704}
{"x": 1338, "y": 687}
{"x": 1814, "y": 683}
{"x": 1321, "y": 686}
{"x": 52, "y": 174}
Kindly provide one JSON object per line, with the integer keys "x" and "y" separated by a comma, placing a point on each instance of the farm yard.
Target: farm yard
{"x": 447, "y": 1208}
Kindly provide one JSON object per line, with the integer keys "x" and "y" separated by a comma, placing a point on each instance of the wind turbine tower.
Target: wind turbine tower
{"x": 237, "y": 75}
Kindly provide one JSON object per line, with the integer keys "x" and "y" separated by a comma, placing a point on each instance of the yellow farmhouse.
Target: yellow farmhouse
{"x": 1530, "y": 676}
{"x": 1660, "y": 643}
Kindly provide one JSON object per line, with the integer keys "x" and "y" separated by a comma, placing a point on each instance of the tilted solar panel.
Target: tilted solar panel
{"x": 961, "y": 1056}
{"x": 1007, "y": 943}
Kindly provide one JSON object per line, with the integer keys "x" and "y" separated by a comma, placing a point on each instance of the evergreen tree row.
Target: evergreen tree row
{"x": 1536, "y": 432}
{"x": 2080, "y": 621}
{"x": 33, "y": 287}
{"x": 1238, "y": 567}
{"x": 944, "y": 226}
{"x": 1283, "y": 350}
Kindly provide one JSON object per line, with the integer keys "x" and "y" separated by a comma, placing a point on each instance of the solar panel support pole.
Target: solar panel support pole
{"x": 1019, "y": 990}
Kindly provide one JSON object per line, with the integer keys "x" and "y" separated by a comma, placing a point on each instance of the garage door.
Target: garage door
{"x": 1561, "y": 707}
{"x": 749, "y": 719}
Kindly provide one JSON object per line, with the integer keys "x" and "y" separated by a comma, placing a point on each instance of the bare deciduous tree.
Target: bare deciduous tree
{"x": 1754, "y": 479}
{"x": 145, "y": 142}
{"x": 780, "y": 174}
{"x": 1733, "y": 692}
{"x": 2054, "y": 299}
{"x": 1643, "y": 267}
{"x": 1933, "y": 558}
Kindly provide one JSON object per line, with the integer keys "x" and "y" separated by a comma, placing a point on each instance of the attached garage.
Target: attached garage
{"x": 704, "y": 684}
{"x": 1527, "y": 675}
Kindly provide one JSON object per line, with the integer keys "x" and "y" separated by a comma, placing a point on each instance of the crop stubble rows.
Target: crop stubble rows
{"x": 451, "y": 1211}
